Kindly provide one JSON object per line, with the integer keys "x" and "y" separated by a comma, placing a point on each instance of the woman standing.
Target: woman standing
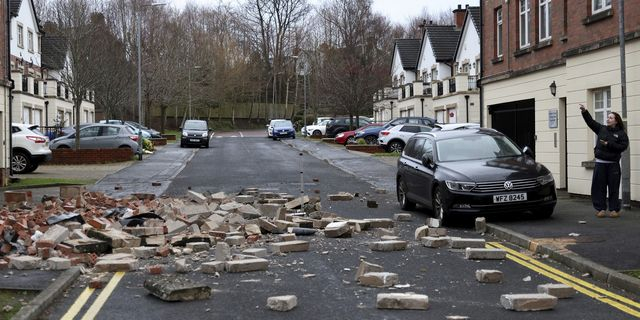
{"x": 612, "y": 141}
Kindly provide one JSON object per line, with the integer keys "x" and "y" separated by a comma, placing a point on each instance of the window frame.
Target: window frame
{"x": 604, "y": 7}
{"x": 20, "y": 35}
{"x": 544, "y": 10}
{"x": 499, "y": 26}
{"x": 524, "y": 19}
{"x": 605, "y": 109}
{"x": 30, "y": 44}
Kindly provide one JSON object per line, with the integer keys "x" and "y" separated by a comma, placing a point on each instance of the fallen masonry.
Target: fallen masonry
{"x": 290, "y": 246}
{"x": 485, "y": 254}
{"x": 171, "y": 288}
{"x": 558, "y": 290}
{"x": 282, "y": 303}
{"x": 528, "y": 301}
{"x": 378, "y": 279}
{"x": 389, "y": 245}
{"x": 489, "y": 276}
{"x": 406, "y": 301}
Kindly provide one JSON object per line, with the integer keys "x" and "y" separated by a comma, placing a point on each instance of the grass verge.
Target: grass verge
{"x": 386, "y": 154}
{"x": 633, "y": 273}
{"x": 12, "y": 300}
{"x": 34, "y": 182}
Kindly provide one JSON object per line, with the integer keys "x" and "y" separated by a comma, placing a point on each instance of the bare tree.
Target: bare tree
{"x": 73, "y": 18}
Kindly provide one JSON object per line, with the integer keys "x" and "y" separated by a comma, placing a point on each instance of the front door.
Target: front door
{"x": 517, "y": 120}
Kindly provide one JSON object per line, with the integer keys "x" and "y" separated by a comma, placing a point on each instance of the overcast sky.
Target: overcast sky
{"x": 398, "y": 11}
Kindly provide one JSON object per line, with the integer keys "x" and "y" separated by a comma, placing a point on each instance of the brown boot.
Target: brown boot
{"x": 601, "y": 214}
{"x": 614, "y": 214}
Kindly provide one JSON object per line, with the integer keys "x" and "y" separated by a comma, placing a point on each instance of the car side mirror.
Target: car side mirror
{"x": 526, "y": 150}
{"x": 427, "y": 161}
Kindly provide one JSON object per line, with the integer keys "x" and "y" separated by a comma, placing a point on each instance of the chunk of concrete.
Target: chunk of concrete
{"x": 57, "y": 263}
{"x": 337, "y": 229}
{"x": 389, "y": 245}
{"x": 198, "y": 246}
{"x": 436, "y": 232}
{"x": 56, "y": 233}
{"x": 485, "y": 254}
{"x": 463, "y": 243}
{"x": 434, "y": 223}
{"x": 212, "y": 267}
{"x": 171, "y": 288}
{"x": 341, "y": 196}
{"x": 244, "y": 199}
{"x": 116, "y": 265}
{"x": 381, "y": 223}
{"x": 223, "y": 251}
{"x": 25, "y": 262}
{"x": 144, "y": 252}
{"x": 282, "y": 303}
{"x": 287, "y": 237}
{"x": 196, "y": 196}
{"x": 528, "y": 301}
{"x": 289, "y": 246}
{"x": 115, "y": 238}
{"x": 481, "y": 225}
{"x": 421, "y": 232}
{"x": 489, "y": 276}
{"x": 247, "y": 265}
{"x": 403, "y": 217}
{"x": 296, "y": 203}
{"x": 378, "y": 279}
{"x": 267, "y": 226}
{"x": 435, "y": 242}
{"x": 366, "y": 267}
{"x": 558, "y": 290}
{"x": 404, "y": 301}
{"x": 249, "y": 212}
{"x": 182, "y": 266}
{"x": 235, "y": 240}
{"x": 257, "y": 252}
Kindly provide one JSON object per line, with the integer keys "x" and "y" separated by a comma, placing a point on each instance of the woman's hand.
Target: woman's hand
{"x": 582, "y": 108}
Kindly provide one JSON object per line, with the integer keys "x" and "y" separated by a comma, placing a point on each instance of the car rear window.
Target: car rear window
{"x": 195, "y": 125}
{"x": 283, "y": 124}
{"x": 110, "y": 131}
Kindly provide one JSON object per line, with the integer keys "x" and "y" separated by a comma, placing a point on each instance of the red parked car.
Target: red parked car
{"x": 348, "y": 137}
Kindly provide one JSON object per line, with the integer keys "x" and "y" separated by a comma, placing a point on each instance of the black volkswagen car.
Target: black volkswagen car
{"x": 472, "y": 172}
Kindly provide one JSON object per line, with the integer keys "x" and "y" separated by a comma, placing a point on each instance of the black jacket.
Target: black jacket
{"x": 616, "y": 138}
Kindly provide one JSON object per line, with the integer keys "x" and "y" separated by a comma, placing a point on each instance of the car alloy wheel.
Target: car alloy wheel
{"x": 401, "y": 191}
{"x": 439, "y": 210}
{"x": 316, "y": 133}
{"x": 371, "y": 140}
{"x": 20, "y": 162}
{"x": 396, "y": 146}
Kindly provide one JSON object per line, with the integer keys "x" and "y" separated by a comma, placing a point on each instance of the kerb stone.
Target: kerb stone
{"x": 405, "y": 301}
{"x": 558, "y": 290}
{"x": 247, "y": 265}
{"x": 289, "y": 246}
{"x": 337, "y": 229}
{"x": 485, "y": 254}
{"x": 463, "y": 243}
{"x": 378, "y": 279}
{"x": 389, "y": 245}
{"x": 435, "y": 242}
{"x": 366, "y": 267}
{"x": 282, "y": 303}
{"x": 489, "y": 276}
{"x": 528, "y": 301}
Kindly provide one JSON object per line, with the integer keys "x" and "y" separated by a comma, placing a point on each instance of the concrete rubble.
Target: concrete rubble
{"x": 528, "y": 301}
{"x": 282, "y": 303}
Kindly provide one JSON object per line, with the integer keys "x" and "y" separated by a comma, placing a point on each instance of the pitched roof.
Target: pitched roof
{"x": 475, "y": 17}
{"x": 14, "y": 7}
{"x": 409, "y": 51}
{"x": 54, "y": 52}
{"x": 444, "y": 41}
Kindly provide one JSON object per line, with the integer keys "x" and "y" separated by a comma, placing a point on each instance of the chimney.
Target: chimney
{"x": 458, "y": 15}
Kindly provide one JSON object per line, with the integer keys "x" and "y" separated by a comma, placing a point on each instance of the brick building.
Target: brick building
{"x": 541, "y": 59}
{"x": 5, "y": 92}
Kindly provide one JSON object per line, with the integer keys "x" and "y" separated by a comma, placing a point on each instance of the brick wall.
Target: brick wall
{"x": 90, "y": 156}
{"x": 581, "y": 29}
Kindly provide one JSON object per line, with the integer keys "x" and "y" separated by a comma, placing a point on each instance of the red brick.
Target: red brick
{"x": 253, "y": 238}
{"x": 6, "y": 248}
{"x": 99, "y": 223}
{"x": 44, "y": 253}
{"x": 65, "y": 249}
{"x": 163, "y": 251}
{"x": 45, "y": 243}
{"x": 155, "y": 269}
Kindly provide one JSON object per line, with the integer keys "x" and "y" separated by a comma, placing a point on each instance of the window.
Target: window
{"x": 545, "y": 20}
{"x": 20, "y": 37}
{"x": 410, "y": 128}
{"x": 26, "y": 115}
{"x": 89, "y": 132}
{"x": 601, "y": 104}
{"x": 499, "y": 32}
{"x": 600, "y": 5}
{"x": 427, "y": 149}
{"x": 465, "y": 68}
{"x": 414, "y": 148}
{"x": 110, "y": 131}
{"x": 86, "y": 116}
{"x": 30, "y": 41}
{"x": 37, "y": 117}
{"x": 434, "y": 73}
{"x": 524, "y": 23}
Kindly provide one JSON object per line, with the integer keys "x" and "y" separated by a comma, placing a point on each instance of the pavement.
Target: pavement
{"x": 572, "y": 236}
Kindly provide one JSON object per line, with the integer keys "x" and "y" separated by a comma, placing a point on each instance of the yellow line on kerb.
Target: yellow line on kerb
{"x": 76, "y": 306}
{"x": 102, "y": 298}
{"x": 579, "y": 285}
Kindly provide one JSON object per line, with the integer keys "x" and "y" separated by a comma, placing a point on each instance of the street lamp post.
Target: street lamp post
{"x": 189, "y": 85}
{"x": 422, "y": 106}
{"x": 139, "y": 26}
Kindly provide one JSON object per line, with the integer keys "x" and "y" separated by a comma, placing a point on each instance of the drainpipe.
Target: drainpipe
{"x": 11, "y": 86}
{"x": 479, "y": 83}
{"x": 626, "y": 157}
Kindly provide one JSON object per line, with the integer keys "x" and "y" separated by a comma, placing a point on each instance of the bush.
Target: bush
{"x": 147, "y": 144}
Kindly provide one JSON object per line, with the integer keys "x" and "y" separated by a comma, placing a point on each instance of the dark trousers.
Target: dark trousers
{"x": 606, "y": 176}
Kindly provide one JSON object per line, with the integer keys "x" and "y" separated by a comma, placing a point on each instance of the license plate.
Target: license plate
{"x": 194, "y": 140}
{"x": 513, "y": 197}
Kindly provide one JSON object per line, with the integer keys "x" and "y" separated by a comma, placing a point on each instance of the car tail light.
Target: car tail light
{"x": 37, "y": 139}
{"x": 384, "y": 133}
{"x": 134, "y": 138}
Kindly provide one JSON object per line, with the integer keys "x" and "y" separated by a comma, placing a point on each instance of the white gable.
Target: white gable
{"x": 469, "y": 47}
{"x": 27, "y": 20}
{"x": 397, "y": 71}
{"x": 427, "y": 61}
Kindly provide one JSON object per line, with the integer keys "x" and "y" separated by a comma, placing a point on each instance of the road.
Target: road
{"x": 323, "y": 278}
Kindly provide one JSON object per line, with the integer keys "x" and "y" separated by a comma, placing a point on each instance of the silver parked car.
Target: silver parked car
{"x": 99, "y": 136}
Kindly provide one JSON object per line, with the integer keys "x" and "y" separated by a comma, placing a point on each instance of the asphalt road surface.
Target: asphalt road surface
{"x": 323, "y": 278}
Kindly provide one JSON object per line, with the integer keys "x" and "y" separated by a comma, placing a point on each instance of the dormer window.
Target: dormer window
{"x": 30, "y": 40}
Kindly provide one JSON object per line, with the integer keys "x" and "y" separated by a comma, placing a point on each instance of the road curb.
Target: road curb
{"x": 43, "y": 300}
{"x": 568, "y": 258}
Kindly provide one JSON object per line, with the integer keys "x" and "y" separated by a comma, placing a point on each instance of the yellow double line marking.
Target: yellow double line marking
{"x": 97, "y": 304}
{"x": 617, "y": 301}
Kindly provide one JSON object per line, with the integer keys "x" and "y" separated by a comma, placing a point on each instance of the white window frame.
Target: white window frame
{"x": 544, "y": 13}
{"x": 29, "y": 40}
{"x": 523, "y": 20}
{"x": 499, "y": 33}
{"x": 19, "y": 34}
{"x": 600, "y": 5}
{"x": 600, "y": 112}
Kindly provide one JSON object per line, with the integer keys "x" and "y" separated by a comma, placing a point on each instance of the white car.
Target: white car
{"x": 455, "y": 126}
{"x": 319, "y": 129}
{"x": 395, "y": 138}
{"x": 30, "y": 148}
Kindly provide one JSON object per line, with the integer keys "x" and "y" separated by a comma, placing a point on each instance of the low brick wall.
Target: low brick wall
{"x": 366, "y": 148}
{"x": 170, "y": 137}
{"x": 315, "y": 137}
{"x": 90, "y": 156}
{"x": 159, "y": 141}
{"x": 329, "y": 140}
